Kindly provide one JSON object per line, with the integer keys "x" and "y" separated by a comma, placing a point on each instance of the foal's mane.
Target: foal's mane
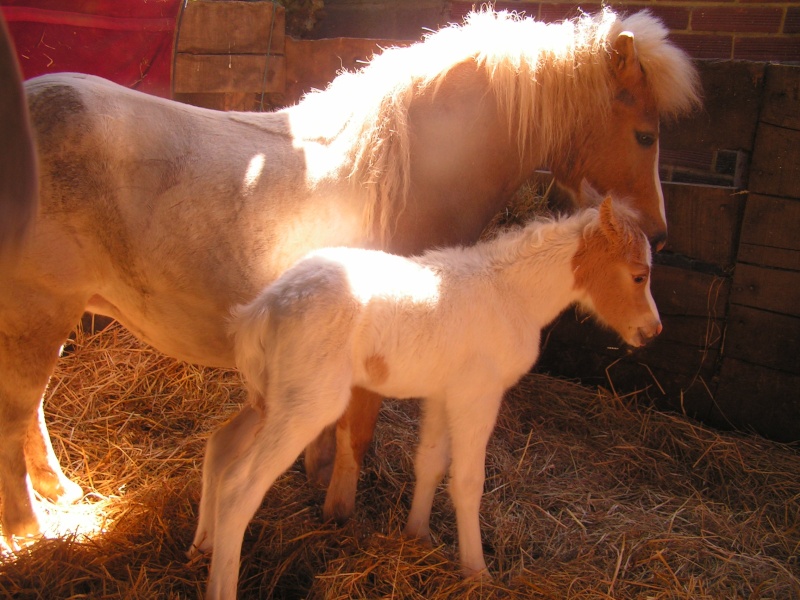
{"x": 553, "y": 78}
{"x": 550, "y": 235}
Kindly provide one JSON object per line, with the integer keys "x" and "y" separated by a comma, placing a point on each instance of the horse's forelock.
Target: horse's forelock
{"x": 669, "y": 71}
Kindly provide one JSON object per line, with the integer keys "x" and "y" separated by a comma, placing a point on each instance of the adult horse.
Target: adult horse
{"x": 164, "y": 216}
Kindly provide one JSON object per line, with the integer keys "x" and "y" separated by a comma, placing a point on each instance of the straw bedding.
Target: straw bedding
{"x": 588, "y": 495}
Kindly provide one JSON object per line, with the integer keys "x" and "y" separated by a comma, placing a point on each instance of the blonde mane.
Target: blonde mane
{"x": 533, "y": 67}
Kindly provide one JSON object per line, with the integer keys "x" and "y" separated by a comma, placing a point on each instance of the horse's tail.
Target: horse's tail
{"x": 19, "y": 178}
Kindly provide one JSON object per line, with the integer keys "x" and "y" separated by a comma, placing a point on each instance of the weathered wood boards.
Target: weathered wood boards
{"x": 229, "y": 51}
{"x": 760, "y": 371}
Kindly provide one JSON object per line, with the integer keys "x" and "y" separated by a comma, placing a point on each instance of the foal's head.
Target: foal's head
{"x": 612, "y": 269}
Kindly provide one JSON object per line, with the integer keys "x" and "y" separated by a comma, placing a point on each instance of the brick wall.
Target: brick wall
{"x": 758, "y": 30}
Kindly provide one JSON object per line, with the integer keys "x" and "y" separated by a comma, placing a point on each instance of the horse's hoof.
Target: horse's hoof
{"x": 69, "y": 492}
{"x": 195, "y": 554}
{"x": 479, "y": 575}
{"x": 56, "y": 488}
{"x": 423, "y": 538}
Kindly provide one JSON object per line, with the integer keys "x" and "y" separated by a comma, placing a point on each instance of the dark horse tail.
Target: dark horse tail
{"x": 19, "y": 180}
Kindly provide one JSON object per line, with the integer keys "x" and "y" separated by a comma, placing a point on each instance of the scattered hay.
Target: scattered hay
{"x": 588, "y": 495}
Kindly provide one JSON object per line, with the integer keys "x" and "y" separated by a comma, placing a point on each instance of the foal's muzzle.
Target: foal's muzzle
{"x": 645, "y": 335}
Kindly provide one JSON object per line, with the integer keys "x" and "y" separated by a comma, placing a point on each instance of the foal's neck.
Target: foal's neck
{"x": 533, "y": 267}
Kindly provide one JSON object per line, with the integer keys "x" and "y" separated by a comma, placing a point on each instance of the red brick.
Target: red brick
{"x": 674, "y": 17}
{"x": 705, "y": 46}
{"x": 783, "y": 49}
{"x": 760, "y": 19}
{"x": 792, "y": 22}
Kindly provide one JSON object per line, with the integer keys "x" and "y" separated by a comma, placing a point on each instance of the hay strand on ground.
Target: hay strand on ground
{"x": 588, "y": 495}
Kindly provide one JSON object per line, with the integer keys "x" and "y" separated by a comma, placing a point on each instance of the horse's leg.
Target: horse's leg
{"x": 290, "y": 425}
{"x": 354, "y": 432}
{"x": 471, "y": 423}
{"x": 46, "y": 475}
{"x": 234, "y": 439}
{"x": 430, "y": 465}
{"x": 319, "y": 457}
{"x": 31, "y": 335}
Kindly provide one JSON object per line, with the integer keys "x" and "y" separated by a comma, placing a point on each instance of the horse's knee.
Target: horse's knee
{"x": 234, "y": 437}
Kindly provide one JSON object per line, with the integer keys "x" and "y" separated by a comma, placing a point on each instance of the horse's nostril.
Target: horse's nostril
{"x": 658, "y": 241}
{"x": 659, "y": 329}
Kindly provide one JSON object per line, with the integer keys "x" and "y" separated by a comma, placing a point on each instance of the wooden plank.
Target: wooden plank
{"x": 775, "y": 290}
{"x": 767, "y": 256}
{"x": 209, "y": 27}
{"x": 771, "y": 223}
{"x": 702, "y": 221}
{"x": 775, "y": 170}
{"x": 313, "y": 64}
{"x": 763, "y": 338}
{"x": 689, "y": 293}
{"x": 728, "y": 119}
{"x": 755, "y": 398}
{"x": 204, "y": 73}
{"x": 781, "y": 105}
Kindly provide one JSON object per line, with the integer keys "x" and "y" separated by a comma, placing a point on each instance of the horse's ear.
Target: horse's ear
{"x": 624, "y": 60}
{"x": 609, "y": 224}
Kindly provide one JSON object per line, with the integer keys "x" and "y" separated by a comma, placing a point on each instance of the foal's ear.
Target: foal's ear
{"x": 624, "y": 60}
{"x": 609, "y": 224}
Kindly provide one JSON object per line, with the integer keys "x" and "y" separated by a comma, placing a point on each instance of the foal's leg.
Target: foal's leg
{"x": 31, "y": 334}
{"x": 289, "y": 426}
{"x": 354, "y": 432}
{"x": 430, "y": 465}
{"x": 231, "y": 441}
{"x": 471, "y": 422}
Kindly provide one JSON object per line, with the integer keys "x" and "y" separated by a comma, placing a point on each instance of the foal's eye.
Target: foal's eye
{"x": 645, "y": 139}
{"x": 639, "y": 279}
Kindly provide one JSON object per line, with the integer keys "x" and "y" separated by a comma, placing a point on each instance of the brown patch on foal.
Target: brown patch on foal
{"x": 377, "y": 369}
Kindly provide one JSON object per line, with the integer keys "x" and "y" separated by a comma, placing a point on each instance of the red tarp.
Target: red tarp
{"x": 130, "y": 42}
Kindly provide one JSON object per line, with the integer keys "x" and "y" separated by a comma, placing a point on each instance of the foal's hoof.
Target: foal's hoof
{"x": 423, "y": 538}
{"x": 195, "y": 554}
{"x": 480, "y": 575}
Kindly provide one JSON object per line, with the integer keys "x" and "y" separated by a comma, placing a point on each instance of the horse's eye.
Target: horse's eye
{"x": 645, "y": 139}
{"x": 639, "y": 279}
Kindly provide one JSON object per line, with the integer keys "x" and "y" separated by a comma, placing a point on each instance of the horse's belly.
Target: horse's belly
{"x": 198, "y": 336}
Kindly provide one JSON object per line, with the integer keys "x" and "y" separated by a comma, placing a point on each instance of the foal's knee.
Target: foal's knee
{"x": 234, "y": 437}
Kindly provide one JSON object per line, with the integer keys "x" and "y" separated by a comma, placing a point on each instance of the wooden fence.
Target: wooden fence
{"x": 728, "y": 283}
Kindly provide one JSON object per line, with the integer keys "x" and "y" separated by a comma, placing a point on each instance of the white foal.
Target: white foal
{"x": 456, "y": 327}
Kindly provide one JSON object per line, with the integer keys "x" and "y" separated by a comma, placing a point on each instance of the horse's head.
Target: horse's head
{"x": 617, "y": 153}
{"x": 612, "y": 269}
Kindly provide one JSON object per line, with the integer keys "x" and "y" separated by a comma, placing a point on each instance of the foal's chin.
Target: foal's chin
{"x": 641, "y": 338}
